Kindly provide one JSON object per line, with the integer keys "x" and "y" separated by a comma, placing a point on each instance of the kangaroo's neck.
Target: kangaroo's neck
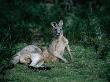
{"x": 58, "y": 37}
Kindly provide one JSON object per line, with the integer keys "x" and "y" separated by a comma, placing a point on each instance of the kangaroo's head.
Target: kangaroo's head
{"x": 57, "y": 28}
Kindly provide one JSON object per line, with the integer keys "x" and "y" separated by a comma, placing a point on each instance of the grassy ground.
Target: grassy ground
{"x": 85, "y": 67}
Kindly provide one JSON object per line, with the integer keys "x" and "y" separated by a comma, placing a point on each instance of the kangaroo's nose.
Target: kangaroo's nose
{"x": 58, "y": 33}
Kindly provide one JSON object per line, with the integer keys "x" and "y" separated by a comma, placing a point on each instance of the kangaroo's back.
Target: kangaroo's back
{"x": 30, "y": 49}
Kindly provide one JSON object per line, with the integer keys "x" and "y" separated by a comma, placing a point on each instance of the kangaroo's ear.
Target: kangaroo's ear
{"x": 61, "y": 23}
{"x": 54, "y": 24}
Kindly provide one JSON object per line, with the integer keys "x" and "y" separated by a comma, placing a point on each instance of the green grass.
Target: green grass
{"x": 85, "y": 67}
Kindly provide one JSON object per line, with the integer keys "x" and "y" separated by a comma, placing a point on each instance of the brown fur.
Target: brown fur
{"x": 47, "y": 57}
{"x": 57, "y": 47}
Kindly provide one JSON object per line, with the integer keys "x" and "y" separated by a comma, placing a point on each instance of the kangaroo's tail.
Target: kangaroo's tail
{"x": 15, "y": 59}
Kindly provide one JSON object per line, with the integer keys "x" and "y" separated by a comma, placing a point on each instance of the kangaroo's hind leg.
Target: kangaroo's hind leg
{"x": 40, "y": 64}
{"x": 37, "y": 60}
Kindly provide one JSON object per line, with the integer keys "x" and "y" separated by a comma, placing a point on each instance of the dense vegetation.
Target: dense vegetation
{"x": 86, "y": 23}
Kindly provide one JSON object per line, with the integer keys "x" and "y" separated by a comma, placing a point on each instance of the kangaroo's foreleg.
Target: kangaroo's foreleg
{"x": 60, "y": 57}
{"x": 68, "y": 49}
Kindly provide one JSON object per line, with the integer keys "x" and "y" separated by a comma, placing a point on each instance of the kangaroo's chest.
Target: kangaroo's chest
{"x": 59, "y": 44}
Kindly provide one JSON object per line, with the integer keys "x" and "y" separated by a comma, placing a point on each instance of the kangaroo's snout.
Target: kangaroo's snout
{"x": 58, "y": 34}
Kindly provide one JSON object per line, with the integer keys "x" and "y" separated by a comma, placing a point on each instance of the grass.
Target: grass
{"x": 85, "y": 67}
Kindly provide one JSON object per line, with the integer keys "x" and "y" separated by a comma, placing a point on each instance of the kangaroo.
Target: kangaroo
{"x": 36, "y": 57}
{"x": 59, "y": 42}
